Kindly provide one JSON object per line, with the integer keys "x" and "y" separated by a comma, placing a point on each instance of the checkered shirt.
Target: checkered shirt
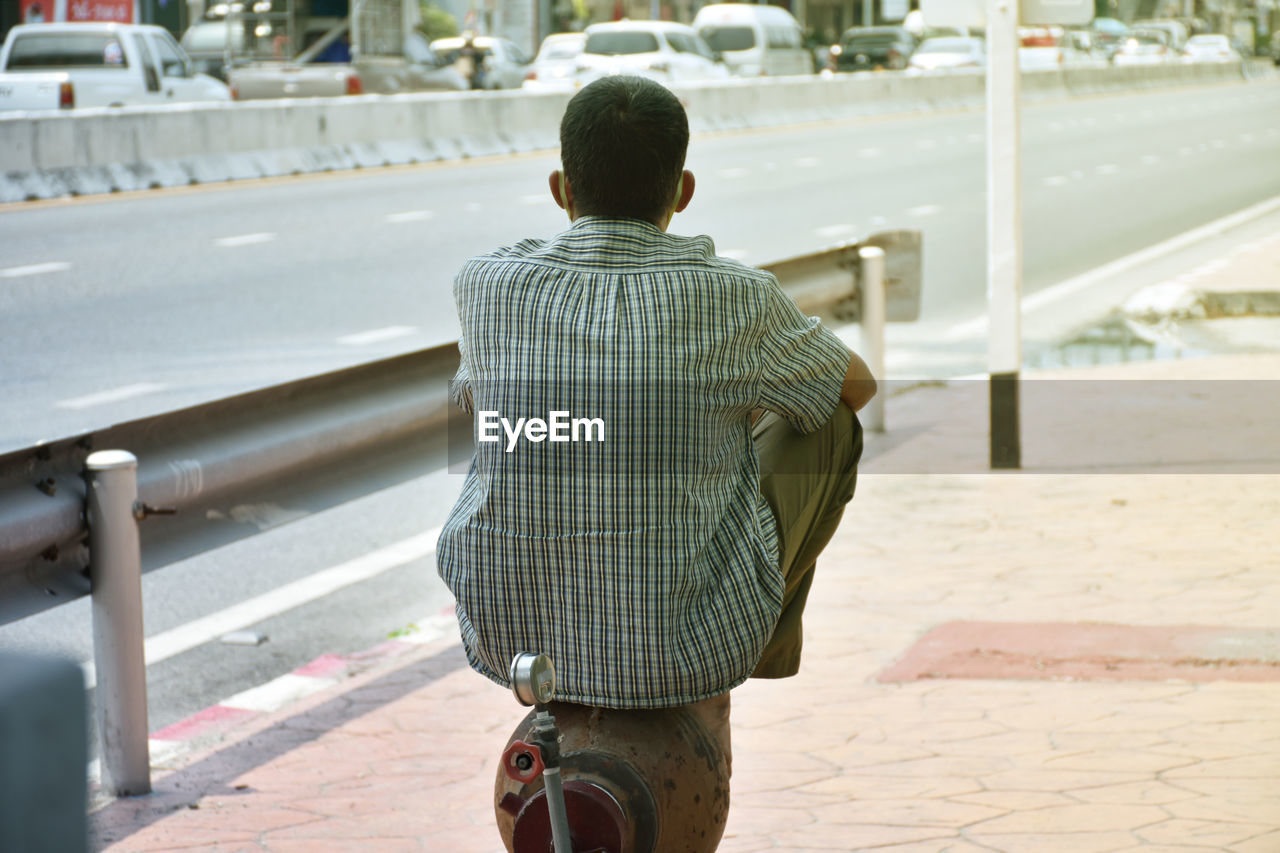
{"x": 646, "y": 564}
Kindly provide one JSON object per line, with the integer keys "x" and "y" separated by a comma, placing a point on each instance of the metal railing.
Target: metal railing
{"x": 70, "y": 517}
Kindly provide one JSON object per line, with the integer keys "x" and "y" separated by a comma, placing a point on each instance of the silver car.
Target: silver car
{"x": 949, "y": 52}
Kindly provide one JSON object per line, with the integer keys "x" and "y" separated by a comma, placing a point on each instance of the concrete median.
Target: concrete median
{"x": 46, "y": 155}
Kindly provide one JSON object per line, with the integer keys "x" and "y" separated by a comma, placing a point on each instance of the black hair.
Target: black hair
{"x": 622, "y": 144}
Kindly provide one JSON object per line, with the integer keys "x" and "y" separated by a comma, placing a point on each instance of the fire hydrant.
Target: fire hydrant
{"x": 579, "y": 779}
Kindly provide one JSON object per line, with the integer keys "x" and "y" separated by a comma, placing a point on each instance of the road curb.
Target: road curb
{"x": 177, "y": 744}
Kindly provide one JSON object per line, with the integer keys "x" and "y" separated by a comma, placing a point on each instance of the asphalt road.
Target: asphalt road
{"x": 111, "y": 308}
{"x": 120, "y": 306}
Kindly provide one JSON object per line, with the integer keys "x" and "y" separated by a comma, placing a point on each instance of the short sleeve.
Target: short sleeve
{"x": 803, "y": 364}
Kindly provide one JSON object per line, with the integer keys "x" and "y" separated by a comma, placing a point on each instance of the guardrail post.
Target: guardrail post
{"x": 871, "y": 293}
{"x": 116, "y": 569}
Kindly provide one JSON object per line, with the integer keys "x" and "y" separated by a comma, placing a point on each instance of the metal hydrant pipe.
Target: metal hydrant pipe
{"x": 871, "y": 290}
{"x": 115, "y": 567}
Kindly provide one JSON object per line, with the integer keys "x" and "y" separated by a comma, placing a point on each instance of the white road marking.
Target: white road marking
{"x": 1055, "y": 126}
{"x": 245, "y": 239}
{"x": 1246, "y": 137}
{"x": 409, "y": 216}
{"x": 1055, "y": 181}
{"x": 977, "y": 327}
{"x": 733, "y": 172}
{"x": 35, "y": 269}
{"x": 735, "y": 254}
{"x": 112, "y": 395}
{"x": 1219, "y": 143}
{"x": 1107, "y": 169}
{"x": 926, "y": 144}
{"x": 771, "y": 166}
{"x": 835, "y": 230}
{"x": 537, "y": 198}
{"x": 1150, "y": 159}
{"x": 1076, "y": 173}
{"x": 302, "y": 591}
{"x": 975, "y": 137}
{"x": 808, "y": 162}
{"x": 924, "y": 210}
{"x": 869, "y": 152}
{"x": 474, "y": 207}
{"x": 878, "y": 220}
{"x": 373, "y": 336}
{"x": 277, "y": 693}
{"x": 1184, "y": 150}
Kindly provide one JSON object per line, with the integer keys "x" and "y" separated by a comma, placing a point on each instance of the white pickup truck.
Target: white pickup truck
{"x": 66, "y": 65}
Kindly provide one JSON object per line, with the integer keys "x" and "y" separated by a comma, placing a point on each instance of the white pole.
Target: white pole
{"x": 871, "y": 289}
{"x": 116, "y": 571}
{"x": 1004, "y": 231}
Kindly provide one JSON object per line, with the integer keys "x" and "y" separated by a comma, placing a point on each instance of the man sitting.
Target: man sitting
{"x": 665, "y": 555}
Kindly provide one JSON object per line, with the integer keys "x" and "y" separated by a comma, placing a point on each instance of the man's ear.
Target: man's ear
{"x": 685, "y": 192}
{"x": 561, "y": 191}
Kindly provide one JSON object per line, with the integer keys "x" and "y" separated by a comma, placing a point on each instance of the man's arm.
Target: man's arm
{"x": 859, "y": 385}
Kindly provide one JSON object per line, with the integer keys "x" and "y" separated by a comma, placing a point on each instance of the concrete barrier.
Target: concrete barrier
{"x": 45, "y": 155}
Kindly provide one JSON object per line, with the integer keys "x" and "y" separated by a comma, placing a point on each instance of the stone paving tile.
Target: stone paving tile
{"x": 1268, "y": 843}
{"x": 915, "y": 812}
{"x": 1214, "y": 833}
{"x": 1064, "y": 842}
{"x": 1068, "y": 819}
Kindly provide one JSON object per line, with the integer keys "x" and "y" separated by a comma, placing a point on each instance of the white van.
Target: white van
{"x": 755, "y": 40}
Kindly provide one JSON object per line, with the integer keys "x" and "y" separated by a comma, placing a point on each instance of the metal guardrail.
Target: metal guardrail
{"x": 330, "y": 437}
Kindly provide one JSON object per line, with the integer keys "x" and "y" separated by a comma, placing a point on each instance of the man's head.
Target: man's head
{"x": 622, "y": 144}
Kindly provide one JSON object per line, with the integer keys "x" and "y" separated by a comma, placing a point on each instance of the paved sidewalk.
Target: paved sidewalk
{"x": 402, "y": 757}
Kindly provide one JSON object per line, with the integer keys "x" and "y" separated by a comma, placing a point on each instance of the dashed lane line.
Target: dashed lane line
{"x": 836, "y": 230}
{"x": 111, "y": 395}
{"x": 244, "y": 239}
{"x": 35, "y": 269}
{"x": 374, "y": 336}
{"x": 409, "y": 216}
{"x": 924, "y": 210}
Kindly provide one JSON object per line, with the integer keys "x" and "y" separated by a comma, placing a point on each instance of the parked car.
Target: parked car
{"x": 1177, "y": 32}
{"x": 754, "y": 40}
{"x": 1047, "y": 48}
{"x": 1209, "y": 48}
{"x": 554, "y": 67}
{"x": 660, "y": 50}
{"x": 419, "y": 69}
{"x": 67, "y": 65}
{"x": 1109, "y": 34}
{"x": 503, "y": 65}
{"x": 1143, "y": 47}
{"x": 949, "y": 52}
{"x": 874, "y": 49}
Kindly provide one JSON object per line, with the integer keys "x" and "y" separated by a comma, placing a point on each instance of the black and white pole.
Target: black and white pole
{"x": 1004, "y": 232}
{"x": 115, "y": 567}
